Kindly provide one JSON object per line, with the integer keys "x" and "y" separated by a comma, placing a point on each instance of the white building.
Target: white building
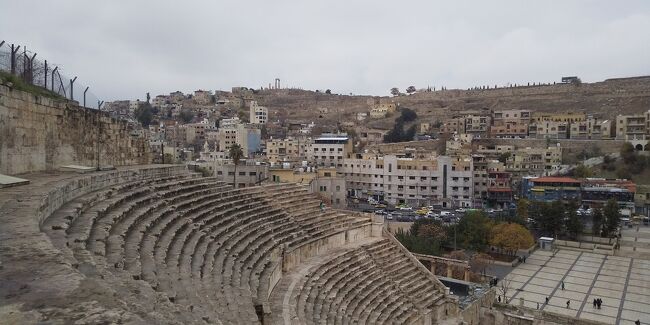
{"x": 441, "y": 180}
{"x": 258, "y": 114}
{"x": 329, "y": 150}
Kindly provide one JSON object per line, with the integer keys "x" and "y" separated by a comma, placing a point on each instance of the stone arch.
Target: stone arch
{"x": 639, "y": 147}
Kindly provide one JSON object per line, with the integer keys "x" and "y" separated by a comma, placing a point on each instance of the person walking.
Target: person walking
{"x": 547, "y": 300}
{"x": 562, "y": 282}
{"x": 638, "y": 322}
{"x": 568, "y": 304}
{"x": 538, "y": 305}
{"x": 595, "y": 302}
{"x": 600, "y": 302}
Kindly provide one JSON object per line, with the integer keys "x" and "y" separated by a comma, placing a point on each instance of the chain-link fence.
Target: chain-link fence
{"x": 26, "y": 65}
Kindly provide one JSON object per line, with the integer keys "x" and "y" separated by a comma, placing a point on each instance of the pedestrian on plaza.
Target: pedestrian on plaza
{"x": 568, "y": 304}
{"x": 638, "y": 322}
{"x": 562, "y": 284}
{"x": 547, "y": 300}
{"x": 538, "y": 305}
{"x": 595, "y": 302}
{"x": 600, "y": 302}
{"x": 524, "y": 258}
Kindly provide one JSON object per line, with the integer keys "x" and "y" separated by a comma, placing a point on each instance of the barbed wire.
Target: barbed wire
{"x": 26, "y": 65}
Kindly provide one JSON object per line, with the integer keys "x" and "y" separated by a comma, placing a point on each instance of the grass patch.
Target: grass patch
{"x": 20, "y": 84}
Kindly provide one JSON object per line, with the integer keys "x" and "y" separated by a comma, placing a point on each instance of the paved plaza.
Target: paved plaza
{"x": 622, "y": 283}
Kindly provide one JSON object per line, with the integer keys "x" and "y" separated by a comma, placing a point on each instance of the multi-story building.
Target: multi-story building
{"x": 509, "y": 130}
{"x": 480, "y": 179}
{"x": 535, "y": 161}
{"x": 380, "y": 108}
{"x": 569, "y": 117}
{"x": 248, "y": 136}
{"x": 247, "y": 173}
{"x": 441, "y": 180}
{"x": 134, "y": 105}
{"x": 330, "y": 186}
{"x": 518, "y": 116}
{"x": 287, "y": 150}
{"x": 549, "y": 129}
{"x": 477, "y": 125}
{"x": 551, "y": 188}
{"x": 258, "y": 114}
{"x": 453, "y": 126}
{"x": 160, "y": 101}
{"x": 633, "y": 127}
{"x": 202, "y": 97}
{"x": 329, "y": 149}
{"x": 499, "y": 186}
{"x": 591, "y": 128}
{"x": 370, "y": 136}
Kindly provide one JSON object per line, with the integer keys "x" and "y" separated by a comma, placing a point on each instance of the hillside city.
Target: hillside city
{"x": 436, "y": 163}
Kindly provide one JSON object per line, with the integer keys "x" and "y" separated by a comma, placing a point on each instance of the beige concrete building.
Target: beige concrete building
{"x": 329, "y": 150}
{"x": 382, "y": 109}
{"x": 248, "y": 136}
{"x": 535, "y": 161}
{"x": 439, "y": 180}
{"x": 477, "y": 125}
{"x": 591, "y": 128}
{"x": 258, "y": 114}
{"x": 453, "y": 125}
{"x": 287, "y": 150}
{"x": 569, "y": 117}
{"x": 633, "y": 127}
{"x": 202, "y": 97}
{"x": 549, "y": 129}
{"x": 509, "y": 130}
{"x": 519, "y": 116}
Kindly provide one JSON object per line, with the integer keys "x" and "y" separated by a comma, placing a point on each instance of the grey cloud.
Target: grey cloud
{"x": 126, "y": 48}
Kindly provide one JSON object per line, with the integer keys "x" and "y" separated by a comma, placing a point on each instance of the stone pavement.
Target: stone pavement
{"x": 622, "y": 283}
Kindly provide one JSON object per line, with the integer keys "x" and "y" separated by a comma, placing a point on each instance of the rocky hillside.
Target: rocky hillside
{"x": 605, "y": 99}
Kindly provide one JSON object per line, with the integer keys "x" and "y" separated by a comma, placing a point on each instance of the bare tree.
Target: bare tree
{"x": 504, "y": 287}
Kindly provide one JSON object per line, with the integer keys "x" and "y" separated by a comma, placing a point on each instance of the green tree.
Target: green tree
{"x": 522, "y": 209}
{"x": 597, "y": 222}
{"x": 503, "y": 158}
{"x": 328, "y": 91}
{"x": 236, "y": 155}
{"x": 410, "y": 89}
{"x": 472, "y": 229}
{"x": 511, "y": 237}
{"x": 186, "y": 115}
{"x": 574, "y": 225}
{"x": 612, "y": 217}
{"x": 144, "y": 114}
{"x": 582, "y": 171}
{"x": 394, "y": 91}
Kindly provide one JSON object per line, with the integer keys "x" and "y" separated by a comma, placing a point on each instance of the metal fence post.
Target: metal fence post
{"x": 85, "y": 91}
{"x": 45, "y": 75}
{"x": 72, "y": 87}
{"x": 54, "y": 73}
{"x": 14, "y": 50}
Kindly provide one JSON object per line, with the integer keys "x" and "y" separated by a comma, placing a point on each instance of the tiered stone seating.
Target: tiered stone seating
{"x": 375, "y": 283}
{"x": 208, "y": 248}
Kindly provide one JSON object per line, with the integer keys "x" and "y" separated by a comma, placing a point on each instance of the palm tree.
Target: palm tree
{"x": 236, "y": 154}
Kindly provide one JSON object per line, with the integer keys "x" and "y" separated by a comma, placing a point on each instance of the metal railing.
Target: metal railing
{"x": 26, "y": 65}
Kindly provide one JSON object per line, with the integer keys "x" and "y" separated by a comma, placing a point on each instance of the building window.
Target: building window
{"x": 338, "y": 188}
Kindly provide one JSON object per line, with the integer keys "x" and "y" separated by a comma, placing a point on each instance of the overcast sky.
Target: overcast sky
{"x": 124, "y": 49}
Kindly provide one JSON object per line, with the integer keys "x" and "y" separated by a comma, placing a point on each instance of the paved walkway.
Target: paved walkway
{"x": 622, "y": 283}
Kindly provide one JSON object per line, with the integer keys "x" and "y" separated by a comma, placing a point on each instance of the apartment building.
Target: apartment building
{"x": 591, "y": 128}
{"x": 287, "y": 150}
{"x": 441, "y": 180}
{"x": 330, "y": 149}
{"x": 568, "y": 117}
{"x": 509, "y": 130}
{"x": 477, "y": 125}
{"x": 258, "y": 114}
{"x": 248, "y": 136}
{"x": 549, "y": 130}
{"x": 633, "y": 127}
{"x": 453, "y": 125}
{"x": 518, "y": 116}
{"x": 535, "y": 161}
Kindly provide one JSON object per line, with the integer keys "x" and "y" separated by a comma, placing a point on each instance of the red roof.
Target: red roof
{"x": 555, "y": 180}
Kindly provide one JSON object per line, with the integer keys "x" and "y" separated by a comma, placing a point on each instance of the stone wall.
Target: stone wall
{"x": 42, "y": 134}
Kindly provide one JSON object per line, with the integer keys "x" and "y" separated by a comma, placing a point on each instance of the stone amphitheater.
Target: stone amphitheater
{"x": 163, "y": 245}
